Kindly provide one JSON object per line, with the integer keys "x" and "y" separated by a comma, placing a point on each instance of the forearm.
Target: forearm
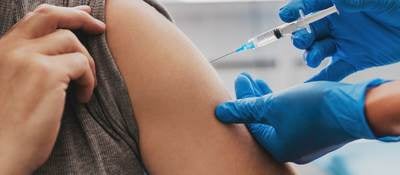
{"x": 382, "y": 108}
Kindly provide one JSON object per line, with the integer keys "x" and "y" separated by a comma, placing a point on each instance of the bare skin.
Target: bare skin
{"x": 174, "y": 91}
{"x": 38, "y": 60}
{"x": 383, "y": 109}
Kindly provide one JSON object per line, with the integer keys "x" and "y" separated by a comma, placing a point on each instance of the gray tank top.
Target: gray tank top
{"x": 100, "y": 137}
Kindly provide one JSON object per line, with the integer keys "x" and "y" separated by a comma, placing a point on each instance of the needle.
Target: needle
{"x": 216, "y": 59}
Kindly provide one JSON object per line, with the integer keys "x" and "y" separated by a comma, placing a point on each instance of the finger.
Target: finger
{"x": 76, "y": 67}
{"x": 84, "y": 8}
{"x": 261, "y": 131}
{"x": 47, "y": 18}
{"x": 264, "y": 134}
{"x": 61, "y": 42}
{"x": 290, "y": 11}
{"x": 264, "y": 88}
{"x": 268, "y": 138}
{"x": 368, "y": 5}
{"x": 319, "y": 51}
{"x": 249, "y": 110}
{"x": 244, "y": 87}
{"x": 334, "y": 72}
{"x": 303, "y": 39}
{"x": 258, "y": 87}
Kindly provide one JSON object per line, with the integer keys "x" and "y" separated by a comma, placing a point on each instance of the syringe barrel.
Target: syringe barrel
{"x": 287, "y": 29}
{"x": 264, "y": 39}
{"x": 275, "y": 34}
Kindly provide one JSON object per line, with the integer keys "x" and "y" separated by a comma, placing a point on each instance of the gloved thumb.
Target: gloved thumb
{"x": 367, "y": 5}
{"x": 249, "y": 110}
{"x": 334, "y": 72}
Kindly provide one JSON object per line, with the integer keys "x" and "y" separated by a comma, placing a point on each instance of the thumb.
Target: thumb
{"x": 367, "y": 5}
{"x": 249, "y": 110}
{"x": 334, "y": 72}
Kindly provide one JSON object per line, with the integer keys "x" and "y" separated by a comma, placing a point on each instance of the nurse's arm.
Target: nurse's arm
{"x": 174, "y": 91}
{"x": 383, "y": 109}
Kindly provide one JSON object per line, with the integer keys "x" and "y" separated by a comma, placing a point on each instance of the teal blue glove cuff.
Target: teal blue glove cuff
{"x": 359, "y": 128}
{"x": 389, "y": 139}
{"x": 356, "y": 124}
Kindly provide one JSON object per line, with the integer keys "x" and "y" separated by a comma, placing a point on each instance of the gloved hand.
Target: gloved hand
{"x": 365, "y": 34}
{"x": 302, "y": 123}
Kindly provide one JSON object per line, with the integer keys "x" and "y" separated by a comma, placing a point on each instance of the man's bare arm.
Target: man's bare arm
{"x": 174, "y": 91}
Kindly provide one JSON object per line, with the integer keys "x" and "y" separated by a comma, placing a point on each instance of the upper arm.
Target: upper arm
{"x": 174, "y": 91}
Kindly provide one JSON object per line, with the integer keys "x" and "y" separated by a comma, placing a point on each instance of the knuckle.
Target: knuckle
{"x": 39, "y": 66}
{"x": 85, "y": 60}
{"x": 307, "y": 7}
{"x": 28, "y": 15}
{"x": 44, "y": 9}
{"x": 69, "y": 36}
{"x": 17, "y": 52}
{"x": 81, "y": 59}
{"x": 81, "y": 13}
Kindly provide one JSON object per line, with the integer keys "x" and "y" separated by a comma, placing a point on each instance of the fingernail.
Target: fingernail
{"x": 221, "y": 110}
{"x": 245, "y": 74}
{"x": 298, "y": 41}
{"x": 284, "y": 12}
{"x": 311, "y": 58}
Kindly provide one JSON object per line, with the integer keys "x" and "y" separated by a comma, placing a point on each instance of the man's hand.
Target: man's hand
{"x": 39, "y": 58}
{"x": 304, "y": 122}
{"x": 365, "y": 34}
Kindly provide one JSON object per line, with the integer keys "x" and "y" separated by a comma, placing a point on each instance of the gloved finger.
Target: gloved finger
{"x": 319, "y": 51}
{"x": 290, "y": 11}
{"x": 263, "y": 87}
{"x": 319, "y": 30}
{"x": 263, "y": 133}
{"x": 267, "y": 137}
{"x": 302, "y": 39}
{"x": 244, "y": 87}
{"x": 249, "y": 110}
{"x": 334, "y": 72}
{"x": 367, "y": 5}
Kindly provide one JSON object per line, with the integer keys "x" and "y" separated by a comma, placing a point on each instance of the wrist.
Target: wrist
{"x": 382, "y": 109}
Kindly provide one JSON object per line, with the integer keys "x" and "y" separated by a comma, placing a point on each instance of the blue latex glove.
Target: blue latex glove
{"x": 302, "y": 123}
{"x": 364, "y": 35}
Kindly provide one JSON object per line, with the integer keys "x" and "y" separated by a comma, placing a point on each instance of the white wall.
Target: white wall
{"x": 217, "y": 28}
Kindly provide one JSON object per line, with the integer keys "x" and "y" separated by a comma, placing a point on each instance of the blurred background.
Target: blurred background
{"x": 218, "y": 26}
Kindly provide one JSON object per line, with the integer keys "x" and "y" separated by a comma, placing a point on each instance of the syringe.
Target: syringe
{"x": 279, "y": 32}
